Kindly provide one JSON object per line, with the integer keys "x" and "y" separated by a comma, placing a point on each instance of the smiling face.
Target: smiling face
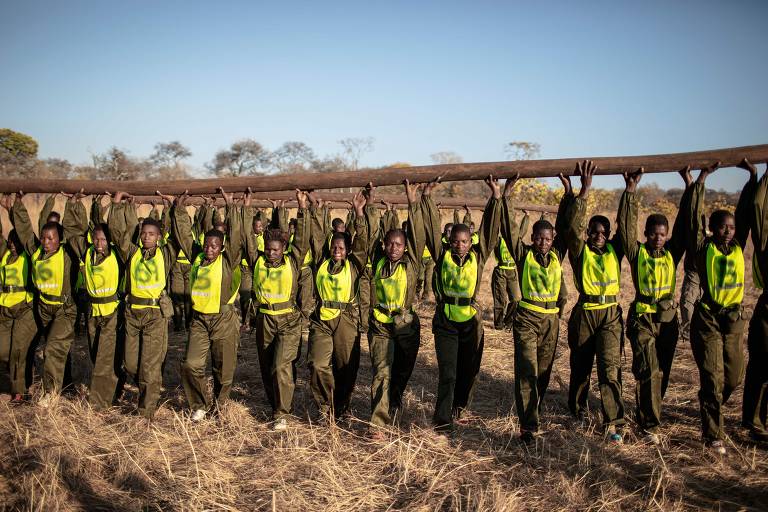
{"x": 597, "y": 234}
{"x": 338, "y": 250}
{"x": 100, "y": 243}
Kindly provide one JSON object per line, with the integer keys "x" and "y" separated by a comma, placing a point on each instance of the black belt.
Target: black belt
{"x": 387, "y": 311}
{"x": 10, "y": 288}
{"x": 54, "y": 298}
{"x": 552, "y": 304}
{"x": 141, "y": 301}
{"x": 103, "y": 300}
{"x": 717, "y": 309}
{"x": 457, "y": 301}
{"x": 597, "y": 299}
{"x": 277, "y": 305}
{"x": 223, "y": 308}
{"x": 647, "y": 299}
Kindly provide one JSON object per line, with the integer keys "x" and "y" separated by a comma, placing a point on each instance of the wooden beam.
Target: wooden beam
{"x": 728, "y": 157}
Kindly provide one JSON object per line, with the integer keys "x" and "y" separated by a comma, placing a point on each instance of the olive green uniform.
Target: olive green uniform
{"x": 652, "y": 325}
{"x": 755, "y": 405}
{"x": 458, "y": 341}
{"x": 394, "y": 345}
{"x": 215, "y": 332}
{"x": 690, "y": 293}
{"x": 278, "y": 336}
{"x": 595, "y": 329}
{"x": 56, "y": 321}
{"x": 717, "y": 332}
{"x": 17, "y": 320}
{"x": 146, "y": 326}
{"x": 505, "y": 285}
{"x": 535, "y": 332}
{"x": 334, "y": 344}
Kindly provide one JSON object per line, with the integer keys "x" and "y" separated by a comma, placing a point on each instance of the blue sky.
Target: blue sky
{"x": 579, "y": 78}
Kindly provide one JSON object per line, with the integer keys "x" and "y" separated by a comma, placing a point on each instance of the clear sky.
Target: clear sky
{"x": 580, "y": 78}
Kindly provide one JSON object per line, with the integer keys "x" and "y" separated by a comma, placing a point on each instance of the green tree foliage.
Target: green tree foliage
{"x": 17, "y": 145}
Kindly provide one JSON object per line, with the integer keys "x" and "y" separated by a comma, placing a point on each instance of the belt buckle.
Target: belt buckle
{"x": 601, "y": 299}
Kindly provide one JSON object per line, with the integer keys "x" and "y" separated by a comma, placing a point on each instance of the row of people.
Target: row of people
{"x": 365, "y": 281}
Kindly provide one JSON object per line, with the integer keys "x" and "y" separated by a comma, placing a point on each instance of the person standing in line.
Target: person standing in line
{"x": 717, "y": 326}
{"x": 457, "y": 324}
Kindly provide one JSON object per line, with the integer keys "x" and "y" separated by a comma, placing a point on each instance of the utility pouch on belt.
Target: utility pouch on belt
{"x": 402, "y": 319}
{"x": 166, "y": 305}
{"x": 666, "y": 310}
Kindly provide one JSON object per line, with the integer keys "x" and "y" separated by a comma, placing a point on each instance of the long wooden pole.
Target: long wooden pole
{"x": 728, "y": 157}
{"x": 339, "y": 200}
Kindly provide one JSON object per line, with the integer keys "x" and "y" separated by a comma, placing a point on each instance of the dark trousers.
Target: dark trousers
{"x": 106, "y": 336}
{"x": 17, "y": 330}
{"x": 755, "y": 404}
{"x": 278, "y": 341}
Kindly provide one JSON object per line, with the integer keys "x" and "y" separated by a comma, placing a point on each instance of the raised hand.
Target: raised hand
{"x": 7, "y": 201}
{"x": 359, "y": 202}
{"x": 248, "y": 197}
{"x": 748, "y": 166}
{"x": 411, "y": 191}
{"x": 493, "y": 184}
{"x": 181, "y": 201}
{"x": 685, "y": 173}
{"x": 566, "y": 181}
{"x": 706, "y": 170}
{"x": 227, "y": 197}
{"x": 510, "y": 184}
{"x": 429, "y": 187}
{"x": 119, "y": 195}
{"x": 370, "y": 194}
{"x": 168, "y": 199}
{"x": 301, "y": 198}
{"x": 585, "y": 170}
{"x": 631, "y": 179}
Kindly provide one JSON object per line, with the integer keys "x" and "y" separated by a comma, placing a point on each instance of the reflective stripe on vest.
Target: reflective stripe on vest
{"x": 725, "y": 275}
{"x": 600, "y": 275}
{"x": 15, "y": 274}
{"x": 102, "y": 280}
{"x": 182, "y": 258}
{"x": 459, "y": 282}
{"x": 333, "y": 288}
{"x": 205, "y": 285}
{"x": 390, "y": 292}
{"x": 48, "y": 274}
{"x": 541, "y": 284}
{"x": 655, "y": 279}
{"x": 147, "y": 277}
{"x": 507, "y": 261}
{"x": 273, "y": 285}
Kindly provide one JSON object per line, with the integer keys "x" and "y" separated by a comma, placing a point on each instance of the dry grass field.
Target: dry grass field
{"x": 69, "y": 458}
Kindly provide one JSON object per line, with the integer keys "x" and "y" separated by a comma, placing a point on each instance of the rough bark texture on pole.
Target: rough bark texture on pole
{"x": 728, "y": 157}
{"x": 338, "y": 199}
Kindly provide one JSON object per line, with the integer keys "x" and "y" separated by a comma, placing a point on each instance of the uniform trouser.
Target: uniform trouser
{"x": 181, "y": 295}
{"x": 535, "y": 344}
{"x": 424, "y": 283}
{"x": 716, "y": 342}
{"x": 506, "y": 294}
{"x": 246, "y": 285}
{"x": 17, "y": 330}
{"x": 755, "y": 406}
{"x": 146, "y": 343}
{"x": 653, "y": 349}
{"x": 459, "y": 349}
{"x": 219, "y": 335}
{"x": 106, "y": 346}
{"x": 690, "y": 293}
{"x": 57, "y": 322}
{"x": 278, "y": 341}
{"x": 366, "y": 292}
{"x": 596, "y": 332}
{"x": 393, "y": 356}
{"x": 334, "y": 358}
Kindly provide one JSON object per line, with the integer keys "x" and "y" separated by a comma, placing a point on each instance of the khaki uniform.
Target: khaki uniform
{"x": 717, "y": 332}
{"x": 653, "y": 341}
{"x": 505, "y": 284}
{"x": 595, "y": 330}
{"x": 457, "y": 325}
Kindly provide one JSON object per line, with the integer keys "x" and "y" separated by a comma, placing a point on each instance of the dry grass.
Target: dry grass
{"x": 69, "y": 458}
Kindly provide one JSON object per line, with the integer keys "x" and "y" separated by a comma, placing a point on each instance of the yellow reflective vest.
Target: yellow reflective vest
{"x": 541, "y": 285}
{"x": 102, "y": 282}
{"x": 655, "y": 280}
{"x": 600, "y": 277}
{"x": 507, "y": 262}
{"x": 335, "y": 290}
{"x": 147, "y": 277}
{"x": 725, "y": 275}
{"x": 205, "y": 285}
{"x": 457, "y": 285}
{"x": 48, "y": 275}
{"x": 13, "y": 280}
{"x": 390, "y": 292}
{"x": 272, "y": 287}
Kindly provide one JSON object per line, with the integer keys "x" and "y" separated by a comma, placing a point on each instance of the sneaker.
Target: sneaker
{"x": 614, "y": 435}
{"x": 280, "y": 425}
{"x": 717, "y": 446}
{"x": 198, "y": 415}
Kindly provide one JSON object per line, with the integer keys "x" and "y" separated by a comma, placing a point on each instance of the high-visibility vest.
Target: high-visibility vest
{"x": 147, "y": 277}
{"x": 205, "y": 285}
{"x": 725, "y": 275}
{"x": 655, "y": 279}
{"x": 182, "y": 258}
{"x": 101, "y": 282}
{"x": 600, "y": 277}
{"x": 259, "y": 245}
{"x": 475, "y": 238}
{"x": 457, "y": 285}
{"x": 335, "y": 290}
{"x": 48, "y": 275}
{"x": 307, "y": 257}
{"x": 507, "y": 262}
{"x": 272, "y": 287}
{"x": 13, "y": 280}
{"x": 425, "y": 254}
{"x": 541, "y": 285}
{"x": 390, "y": 292}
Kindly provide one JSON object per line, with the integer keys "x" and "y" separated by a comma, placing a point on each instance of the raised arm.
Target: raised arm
{"x": 627, "y": 215}
{"x": 577, "y": 224}
{"x": 75, "y": 224}
{"x": 760, "y": 214}
{"x": 181, "y": 228}
{"x": 359, "y": 250}
{"x": 119, "y": 228}
{"x": 50, "y": 202}
{"x": 23, "y": 226}
{"x": 745, "y": 206}
{"x": 510, "y": 231}
{"x": 233, "y": 242}
{"x": 489, "y": 232}
{"x": 316, "y": 216}
{"x": 678, "y": 239}
{"x": 431, "y": 219}
{"x": 302, "y": 233}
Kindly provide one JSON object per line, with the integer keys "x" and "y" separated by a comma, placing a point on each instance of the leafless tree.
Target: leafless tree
{"x": 354, "y": 148}
{"x": 244, "y": 157}
{"x": 293, "y": 157}
{"x": 521, "y": 150}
